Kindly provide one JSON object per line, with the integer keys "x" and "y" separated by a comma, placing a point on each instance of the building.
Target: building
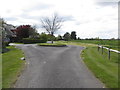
{"x": 6, "y": 31}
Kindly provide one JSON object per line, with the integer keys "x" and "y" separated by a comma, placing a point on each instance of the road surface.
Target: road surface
{"x": 55, "y": 67}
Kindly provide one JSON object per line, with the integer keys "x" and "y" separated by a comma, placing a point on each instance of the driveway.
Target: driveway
{"x": 55, "y": 67}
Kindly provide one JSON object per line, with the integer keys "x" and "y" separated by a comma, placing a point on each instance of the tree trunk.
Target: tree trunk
{"x": 52, "y": 41}
{"x": 52, "y": 37}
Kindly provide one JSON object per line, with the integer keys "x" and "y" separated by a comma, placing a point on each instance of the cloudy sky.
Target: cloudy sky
{"x": 89, "y": 18}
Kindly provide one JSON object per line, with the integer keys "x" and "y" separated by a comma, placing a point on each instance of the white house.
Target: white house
{"x": 5, "y": 31}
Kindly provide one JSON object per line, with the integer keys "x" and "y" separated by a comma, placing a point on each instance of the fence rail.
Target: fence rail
{"x": 109, "y": 50}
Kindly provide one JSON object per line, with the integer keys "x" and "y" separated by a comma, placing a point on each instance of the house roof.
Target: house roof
{"x": 8, "y": 29}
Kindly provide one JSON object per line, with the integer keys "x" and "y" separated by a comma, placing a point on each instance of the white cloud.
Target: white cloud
{"x": 89, "y": 18}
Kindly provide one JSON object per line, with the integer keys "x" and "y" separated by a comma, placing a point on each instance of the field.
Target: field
{"x": 112, "y": 44}
{"x": 104, "y": 69}
{"x": 11, "y": 66}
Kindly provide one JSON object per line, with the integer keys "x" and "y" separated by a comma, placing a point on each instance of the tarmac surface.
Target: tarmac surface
{"x": 55, "y": 67}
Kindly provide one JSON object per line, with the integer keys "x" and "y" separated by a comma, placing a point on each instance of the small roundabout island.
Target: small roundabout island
{"x": 52, "y": 44}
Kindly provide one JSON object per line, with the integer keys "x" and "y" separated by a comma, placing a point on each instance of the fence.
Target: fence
{"x": 109, "y": 50}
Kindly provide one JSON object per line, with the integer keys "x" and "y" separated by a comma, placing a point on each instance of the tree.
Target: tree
{"x": 33, "y": 32}
{"x": 73, "y": 35}
{"x": 59, "y": 37}
{"x": 43, "y": 37}
{"x": 3, "y": 35}
{"x": 66, "y": 36}
{"x": 22, "y": 31}
{"x": 79, "y": 38}
{"x": 51, "y": 25}
{"x": 26, "y": 31}
{"x": 112, "y": 38}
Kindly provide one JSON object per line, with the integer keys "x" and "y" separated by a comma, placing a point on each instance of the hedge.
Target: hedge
{"x": 30, "y": 41}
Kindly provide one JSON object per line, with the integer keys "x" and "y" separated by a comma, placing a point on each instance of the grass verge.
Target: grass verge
{"x": 104, "y": 69}
{"x": 52, "y": 44}
{"x": 11, "y": 66}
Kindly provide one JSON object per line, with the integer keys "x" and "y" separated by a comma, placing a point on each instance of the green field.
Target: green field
{"x": 11, "y": 66}
{"x": 112, "y": 44}
{"x": 104, "y": 69}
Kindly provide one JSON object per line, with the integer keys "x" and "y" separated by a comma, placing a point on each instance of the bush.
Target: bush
{"x": 6, "y": 43}
{"x": 43, "y": 37}
{"x": 30, "y": 40}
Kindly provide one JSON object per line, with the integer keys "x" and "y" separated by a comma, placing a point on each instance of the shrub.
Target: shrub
{"x": 6, "y": 43}
{"x": 31, "y": 40}
{"x": 43, "y": 37}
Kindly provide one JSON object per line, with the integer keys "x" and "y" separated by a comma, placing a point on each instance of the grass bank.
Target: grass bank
{"x": 104, "y": 69}
{"x": 11, "y": 66}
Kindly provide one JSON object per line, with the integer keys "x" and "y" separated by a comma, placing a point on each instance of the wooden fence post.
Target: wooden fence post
{"x": 109, "y": 54}
{"x": 102, "y": 49}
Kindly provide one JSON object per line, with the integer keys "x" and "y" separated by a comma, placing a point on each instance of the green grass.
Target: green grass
{"x": 11, "y": 66}
{"x": 76, "y": 43}
{"x": 104, "y": 69}
{"x": 112, "y": 44}
{"x": 52, "y": 44}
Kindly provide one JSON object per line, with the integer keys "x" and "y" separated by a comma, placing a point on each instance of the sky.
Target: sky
{"x": 89, "y": 18}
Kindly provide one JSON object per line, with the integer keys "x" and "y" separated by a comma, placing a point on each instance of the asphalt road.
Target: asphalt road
{"x": 55, "y": 67}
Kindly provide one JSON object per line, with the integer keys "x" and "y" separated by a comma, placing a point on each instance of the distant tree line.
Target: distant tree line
{"x": 67, "y": 36}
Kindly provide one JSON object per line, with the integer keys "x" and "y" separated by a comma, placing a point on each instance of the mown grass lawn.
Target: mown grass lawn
{"x": 11, "y": 66}
{"x": 104, "y": 69}
{"x": 57, "y": 44}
